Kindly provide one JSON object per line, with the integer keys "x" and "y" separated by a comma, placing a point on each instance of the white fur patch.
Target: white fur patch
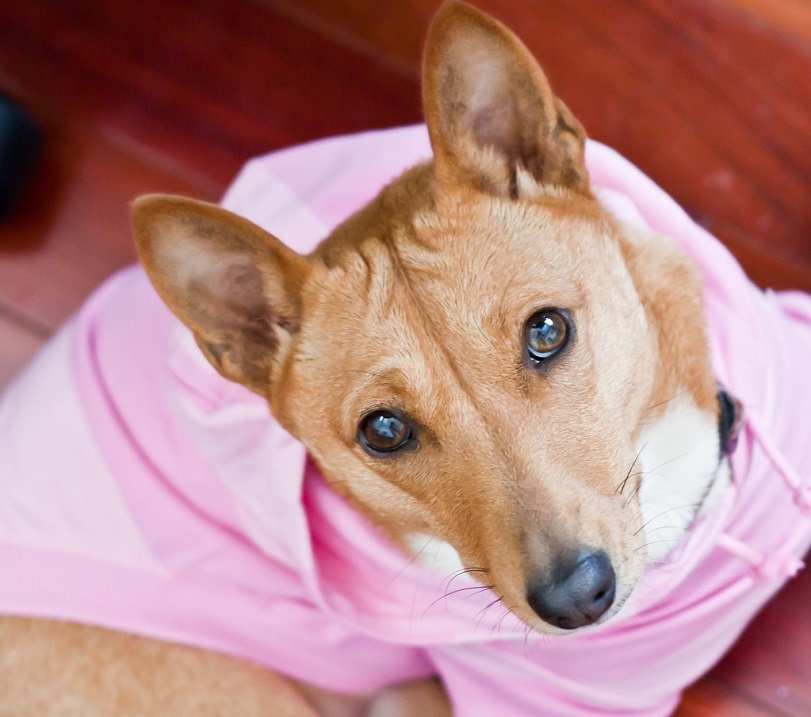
{"x": 434, "y": 553}
{"x": 681, "y": 473}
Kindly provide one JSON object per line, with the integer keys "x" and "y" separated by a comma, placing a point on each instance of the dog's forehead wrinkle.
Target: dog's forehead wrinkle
{"x": 432, "y": 334}
{"x": 446, "y": 311}
{"x": 401, "y": 366}
{"x": 386, "y": 386}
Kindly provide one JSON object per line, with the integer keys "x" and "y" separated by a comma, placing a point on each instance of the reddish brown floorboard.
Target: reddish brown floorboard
{"x": 712, "y": 107}
{"x": 710, "y": 698}
{"x": 789, "y": 18}
{"x": 175, "y": 95}
{"x": 73, "y": 229}
{"x": 19, "y": 344}
{"x": 203, "y": 83}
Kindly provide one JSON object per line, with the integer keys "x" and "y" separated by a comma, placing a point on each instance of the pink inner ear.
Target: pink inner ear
{"x": 232, "y": 297}
{"x": 237, "y": 324}
{"x": 490, "y": 110}
{"x": 492, "y": 116}
{"x": 234, "y": 313}
{"x": 481, "y": 87}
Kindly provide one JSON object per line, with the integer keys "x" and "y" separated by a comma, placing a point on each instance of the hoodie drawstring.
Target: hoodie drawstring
{"x": 783, "y": 563}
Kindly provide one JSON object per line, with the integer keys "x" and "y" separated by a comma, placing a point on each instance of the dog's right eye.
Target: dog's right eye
{"x": 383, "y": 432}
{"x": 545, "y": 333}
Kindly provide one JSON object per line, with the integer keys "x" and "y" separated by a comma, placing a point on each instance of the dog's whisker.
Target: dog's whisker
{"x": 665, "y": 463}
{"x": 412, "y": 560}
{"x": 655, "y": 542}
{"x": 497, "y": 626}
{"x": 635, "y": 493}
{"x": 475, "y": 588}
{"x": 458, "y": 573}
{"x": 654, "y": 474}
{"x": 667, "y": 400}
{"x": 527, "y": 629}
{"x": 666, "y": 527}
{"x": 622, "y": 485}
{"x": 649, "y": 474}
{"x": 480, "y": 615}
{"x": 664, "y": 512}
{"x": 645, "y": 474}
{"x": 478, "y": 588}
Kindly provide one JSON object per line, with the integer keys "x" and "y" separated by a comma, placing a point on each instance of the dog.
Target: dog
{"x": 532, "y": 446}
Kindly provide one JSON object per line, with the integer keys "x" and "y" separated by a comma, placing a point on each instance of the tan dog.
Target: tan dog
{"x": 508, "y": 335}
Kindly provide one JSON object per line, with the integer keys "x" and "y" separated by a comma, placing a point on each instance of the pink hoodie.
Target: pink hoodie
{"x": 141, "y": 491}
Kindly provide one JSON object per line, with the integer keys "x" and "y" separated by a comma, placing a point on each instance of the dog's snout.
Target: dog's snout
{"x": 580, "y": 591}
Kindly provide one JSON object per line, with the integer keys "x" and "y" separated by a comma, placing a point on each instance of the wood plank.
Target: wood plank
{"x": 205, "y": 84}
{"x": 73, "y": 230}
{"x": 749, "y": 93}
{"x": 771, "y": 662}
{"x": 173, "y": 100}
{"x": 714, "y": 108}
{"x": 711, "y": 698}
{"x": 766, "y": 265}
{"x": 17, "y": 345}
{"x": 792, "y": 18}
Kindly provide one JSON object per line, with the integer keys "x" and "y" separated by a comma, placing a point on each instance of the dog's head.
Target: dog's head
{"x": 481, "y": 355}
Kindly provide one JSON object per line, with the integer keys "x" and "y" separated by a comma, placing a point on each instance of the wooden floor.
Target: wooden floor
{"x": 710, "y": 97}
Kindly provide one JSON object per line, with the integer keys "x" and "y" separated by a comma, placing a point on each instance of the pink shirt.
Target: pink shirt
{"x": 141, "y": 491}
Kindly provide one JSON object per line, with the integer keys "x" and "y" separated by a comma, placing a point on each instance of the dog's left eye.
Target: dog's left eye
{"x": 545, "y": 333}
{"x": 383, "y": 432}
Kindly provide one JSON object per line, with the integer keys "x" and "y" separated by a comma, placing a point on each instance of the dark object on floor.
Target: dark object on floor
{"x": 20, "y": 143}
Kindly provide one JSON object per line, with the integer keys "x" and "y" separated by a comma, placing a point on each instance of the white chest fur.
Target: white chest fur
{"x": 681, "y": 472}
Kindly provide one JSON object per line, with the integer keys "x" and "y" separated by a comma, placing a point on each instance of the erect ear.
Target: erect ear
{"x": 491, "y": 114}
{"x": 233, "y": 284}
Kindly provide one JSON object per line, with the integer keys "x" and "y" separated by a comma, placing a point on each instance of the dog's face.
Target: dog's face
{"x": 481, "y": 356}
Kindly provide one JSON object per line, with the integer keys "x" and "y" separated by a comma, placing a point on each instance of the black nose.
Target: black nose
{"x": 580, "y": 591}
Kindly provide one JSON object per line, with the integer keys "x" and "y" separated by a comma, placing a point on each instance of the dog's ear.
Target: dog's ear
{"x": 233, "y": 284}
{"x": 492, "y": 117}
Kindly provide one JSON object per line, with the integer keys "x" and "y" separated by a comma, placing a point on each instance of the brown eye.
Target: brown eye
{"x": 384, "y": 432}
{"x": 545, "y": 333}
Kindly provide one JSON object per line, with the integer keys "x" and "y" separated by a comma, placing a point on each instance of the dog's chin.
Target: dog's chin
{"x": 546, "y": 629}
